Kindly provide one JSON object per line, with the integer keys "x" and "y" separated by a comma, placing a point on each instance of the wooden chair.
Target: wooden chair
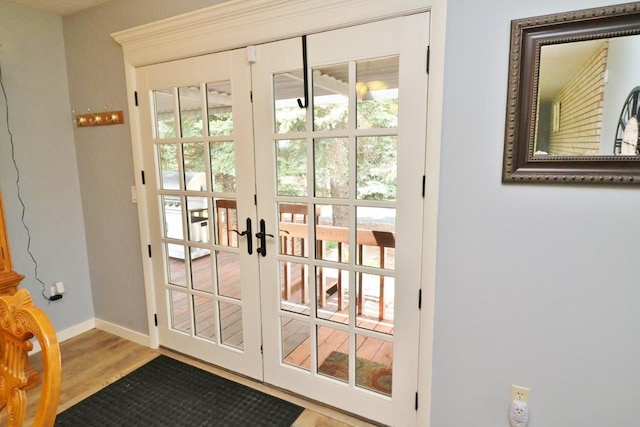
{"x": 20, "y": 321}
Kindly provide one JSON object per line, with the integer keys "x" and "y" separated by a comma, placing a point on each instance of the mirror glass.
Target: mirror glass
{"x": 587, "y": 98}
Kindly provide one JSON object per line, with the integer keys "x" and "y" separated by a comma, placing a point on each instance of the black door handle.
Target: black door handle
{"x": 262, "y": 235}
{"x": 247, "y": 232}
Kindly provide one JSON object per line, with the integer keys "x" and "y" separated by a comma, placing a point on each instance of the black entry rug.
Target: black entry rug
{"x": 166, "y": 392}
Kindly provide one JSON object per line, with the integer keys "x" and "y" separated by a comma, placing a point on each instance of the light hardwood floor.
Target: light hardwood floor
{"x": 95, "y": 359}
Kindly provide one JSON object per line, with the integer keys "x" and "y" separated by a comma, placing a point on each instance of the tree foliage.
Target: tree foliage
{"x": 376, "y": 157}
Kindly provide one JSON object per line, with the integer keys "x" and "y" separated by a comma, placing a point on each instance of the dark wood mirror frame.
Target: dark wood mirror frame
{"x": 527, "y": 38}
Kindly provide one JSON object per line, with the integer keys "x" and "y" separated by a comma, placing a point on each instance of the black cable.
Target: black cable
{"x": 15, "y": 165}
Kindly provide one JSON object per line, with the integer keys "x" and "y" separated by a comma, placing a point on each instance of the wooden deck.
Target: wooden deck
{"x": 296, "y": 343}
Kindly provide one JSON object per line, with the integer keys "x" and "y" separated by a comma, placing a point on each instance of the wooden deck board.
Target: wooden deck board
{"x": 296, "y": 346}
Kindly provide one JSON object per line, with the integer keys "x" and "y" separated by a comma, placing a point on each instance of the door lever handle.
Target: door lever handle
{"x": 262, "y": 235}
{"x": 247, "y": 232}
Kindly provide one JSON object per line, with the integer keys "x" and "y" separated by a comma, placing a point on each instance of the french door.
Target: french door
{"x": 286, "y": 224}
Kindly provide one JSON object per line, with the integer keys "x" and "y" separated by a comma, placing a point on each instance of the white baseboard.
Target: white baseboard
{"x": 95, "y": 323}
{"x": 71, "y": 332}
{"x": 123, "y": 332}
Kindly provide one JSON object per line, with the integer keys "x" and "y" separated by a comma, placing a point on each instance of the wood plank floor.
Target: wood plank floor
{"x": 95, "y": 359}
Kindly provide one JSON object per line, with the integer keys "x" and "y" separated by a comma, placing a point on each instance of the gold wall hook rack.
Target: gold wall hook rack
{"x": 98, "y": 119}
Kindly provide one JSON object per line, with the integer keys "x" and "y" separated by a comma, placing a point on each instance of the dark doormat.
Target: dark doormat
{"x": 166, "y": 392}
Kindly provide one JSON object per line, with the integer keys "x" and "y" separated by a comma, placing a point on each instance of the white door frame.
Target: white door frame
{"x": 224, "y": 27}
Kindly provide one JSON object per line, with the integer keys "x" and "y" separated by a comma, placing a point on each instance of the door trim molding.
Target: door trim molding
{"x": 224, "y": 27}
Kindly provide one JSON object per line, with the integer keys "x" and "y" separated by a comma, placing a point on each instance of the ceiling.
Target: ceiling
{"x": 60, "y": 7}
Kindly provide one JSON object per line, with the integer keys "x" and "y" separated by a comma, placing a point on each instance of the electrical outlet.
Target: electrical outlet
{"x": 520, "y": 393}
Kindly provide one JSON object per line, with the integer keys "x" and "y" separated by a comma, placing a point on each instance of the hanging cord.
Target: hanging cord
{"x": 15, "y": 165}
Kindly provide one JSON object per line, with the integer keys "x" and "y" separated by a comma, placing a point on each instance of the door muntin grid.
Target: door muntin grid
{"x": 344, "y": 171}
{"x": 197, "y": 184}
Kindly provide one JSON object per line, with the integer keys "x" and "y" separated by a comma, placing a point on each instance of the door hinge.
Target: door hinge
{"x": 424, "y": 185}
{"x": 419, "y": 299}
{"x": 155, "y": 319}
{"x": 135, "y": 96}
{"x": 251, "y": 95}
{"x": 143, "y": 180}
{"x": 255, "y": 199}
{"x": 428, "y": 58}
{"x": 261, "y": 349}
{"x": 416, "y": 400}
{"x": 149, "y": 248}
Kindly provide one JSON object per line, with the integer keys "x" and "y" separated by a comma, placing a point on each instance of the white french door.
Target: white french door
{"x": 286, "y": 229}
{"x": 339, "y": 184}
{"x": 198, "y": 150}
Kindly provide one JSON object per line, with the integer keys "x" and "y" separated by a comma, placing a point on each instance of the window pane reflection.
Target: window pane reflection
{"x": 219, "y": 102}
{"x": 164, "y": 101}
{"x": 377, "y": 167}
{"x": 291, "y": 161}
{"x": 331, "y": 162}
{"x": 191, "y": 111}
{"x": 287, "y": 89}
{"x": 377, "y": 93}
{"x": 331, "y": 97}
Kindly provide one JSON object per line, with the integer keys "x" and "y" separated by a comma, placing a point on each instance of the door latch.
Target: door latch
{"x": 247, "y": 232}
{"x": 262, "y": 235}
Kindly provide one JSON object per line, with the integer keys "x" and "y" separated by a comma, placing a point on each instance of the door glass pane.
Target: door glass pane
{"x": 180, "y": 312}
{"x": 331, "y": 163}
{"x": 294, "y": 229}
{"x": 377, "y": 160}
{"x": 376, "y": 237}
{"x": 219, "y": 108}
{"x": 333, "y": 353}
{"x": 223, "y": 166}
{"x": 226, "y": 221}
{"x": 198, "y": 219}
{"x": 296, "y": 348}
{"x": 177, "y": 267}
{"x": 291, "y": 161}
{"x": 194, "y": 158}
{"x": 374, "y": 364}
{"x": 228, "y": 264}
{"x": 333, "y": 294}
{"x": 168, "y": 154}
{"x": 172, "y": 212}
{"x": 201, "y": 276}
{"x": 164, "y": 102}
{"x": 204, "y": 310}
{"x": 191, "y": 111}
{"x": 231, "y": 324}
{"x": 332, "y": 233}
{"x": 287, "y": 89}
{"x": 377, "y": 93}
{"x": 294, "y": 287}
{"x": 331, "y": 97}
{"x": 375, "y": 295}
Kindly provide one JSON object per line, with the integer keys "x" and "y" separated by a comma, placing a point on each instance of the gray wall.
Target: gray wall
{"x": 624, "y": 75}
{"x": 35, "y": 78}
{"x": 536, "y": 285}
{"x": 105, "y": 165}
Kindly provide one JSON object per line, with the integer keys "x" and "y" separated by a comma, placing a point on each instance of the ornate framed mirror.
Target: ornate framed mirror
{"x": 573, "y": 97}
